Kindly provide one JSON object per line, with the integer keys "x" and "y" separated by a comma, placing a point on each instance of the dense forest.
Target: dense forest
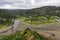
{"x": 37, "y": 14}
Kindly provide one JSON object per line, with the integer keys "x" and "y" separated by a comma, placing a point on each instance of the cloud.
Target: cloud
{"x": 27, "y": 4}
{"x": 48, "y": 3}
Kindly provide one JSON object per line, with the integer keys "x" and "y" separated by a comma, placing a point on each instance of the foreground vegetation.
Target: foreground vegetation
{"x": 24, "y": 35}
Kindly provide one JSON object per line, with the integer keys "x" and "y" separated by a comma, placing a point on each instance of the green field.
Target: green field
{"x": 3, "y": 26}
{"x": 41, "y": 20}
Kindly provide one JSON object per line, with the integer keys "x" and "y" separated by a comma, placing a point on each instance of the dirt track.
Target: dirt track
{"x": 45, "y": 29}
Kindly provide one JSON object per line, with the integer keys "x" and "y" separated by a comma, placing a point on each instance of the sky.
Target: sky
{"x": 27, "y": 4}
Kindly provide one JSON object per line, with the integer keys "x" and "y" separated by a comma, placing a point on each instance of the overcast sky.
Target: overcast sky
{"x": 27, "y": 4}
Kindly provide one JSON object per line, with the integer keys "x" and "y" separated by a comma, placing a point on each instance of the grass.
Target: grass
{"x": 3, "y": 26}
{"x": 21, "y": 18}
{"x": 38, "y": 22}
{"x": 41, "y": 20}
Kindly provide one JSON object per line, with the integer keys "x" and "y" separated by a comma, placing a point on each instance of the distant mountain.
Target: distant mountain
{"x": 45, "y": 11}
